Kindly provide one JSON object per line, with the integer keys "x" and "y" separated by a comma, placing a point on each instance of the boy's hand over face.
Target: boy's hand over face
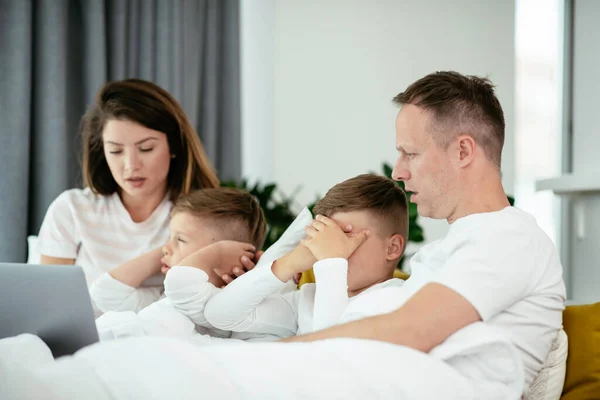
{"x": 326, "y": 239}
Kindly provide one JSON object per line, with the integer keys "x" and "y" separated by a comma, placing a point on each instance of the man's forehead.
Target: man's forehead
{"x": 402, "y": 128}
{"x": 412, "y": 129}
{"x": 410, "y": 115}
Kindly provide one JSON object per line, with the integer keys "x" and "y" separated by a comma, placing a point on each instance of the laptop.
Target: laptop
{"x": 50, "y": 301}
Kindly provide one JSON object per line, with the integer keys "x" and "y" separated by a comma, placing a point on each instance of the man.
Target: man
{"x": 495, "y": 265}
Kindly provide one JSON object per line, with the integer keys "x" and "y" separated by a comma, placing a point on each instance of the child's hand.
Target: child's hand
{"x": 230, "y": 256}
{"x": 248, "y": 264}
{"x": 220, "y": 258}
{"x": 326, "y": 239}
{"x": 297, "y": 261}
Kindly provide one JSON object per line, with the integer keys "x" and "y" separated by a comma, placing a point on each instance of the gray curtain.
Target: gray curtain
{"x": 55, "y": 54}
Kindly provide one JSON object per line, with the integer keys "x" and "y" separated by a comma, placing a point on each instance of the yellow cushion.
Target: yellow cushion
{"x": 401, "y": 275}
{"x": 309, "y": 276}
{"x": 582, "y": 324}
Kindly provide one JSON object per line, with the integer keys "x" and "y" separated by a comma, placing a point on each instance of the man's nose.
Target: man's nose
{"x": 400, "y": 172}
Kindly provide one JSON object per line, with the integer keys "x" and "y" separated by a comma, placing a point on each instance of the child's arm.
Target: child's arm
{"x": 164, "y": 319}
{"x": 331, "y": 296}
{"x": 188, "y": 290}
{"x": 190, "y": 285}
{"x": 220, "y": 259}
{"x": 133, "y": 273}
{"x": 110, "y": 294}
{"x": 252, "y": 303}
{"x": 332, "y": 246}
{"x": 119, "y": 289}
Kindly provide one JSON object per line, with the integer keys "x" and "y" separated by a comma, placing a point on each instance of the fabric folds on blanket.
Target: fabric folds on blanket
{"x": 475, "y": 363}
{"x": 25, "y": 350}
{"x": 487, "y": 359}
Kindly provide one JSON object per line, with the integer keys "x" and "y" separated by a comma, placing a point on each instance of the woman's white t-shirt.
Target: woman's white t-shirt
{"x": 98, "y": 232}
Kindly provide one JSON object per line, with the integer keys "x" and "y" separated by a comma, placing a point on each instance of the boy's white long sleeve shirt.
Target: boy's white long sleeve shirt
{"x": 187, "y": 288}
{"x": 110, "y": 294}
{"x": 252, "y": 302}
{"x": 179, "y": 312}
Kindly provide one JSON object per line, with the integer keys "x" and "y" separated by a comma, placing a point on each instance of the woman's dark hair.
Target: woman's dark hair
{"x": 151, "y": 106}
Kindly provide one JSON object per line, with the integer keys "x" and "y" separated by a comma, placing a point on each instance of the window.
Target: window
{"x": 539, "y": 33}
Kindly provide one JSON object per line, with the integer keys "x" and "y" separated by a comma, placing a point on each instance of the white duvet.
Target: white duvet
{"x": 474, "y": 363}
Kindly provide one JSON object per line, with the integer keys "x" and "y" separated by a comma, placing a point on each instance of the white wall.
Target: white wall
{"x": 257, "y": 51}
{"x": 338, "y": 64}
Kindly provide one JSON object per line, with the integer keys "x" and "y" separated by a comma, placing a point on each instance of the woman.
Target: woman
{"x": 140, "y": 153}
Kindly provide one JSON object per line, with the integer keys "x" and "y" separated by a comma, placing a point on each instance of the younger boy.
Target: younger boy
{"x": 211, "y": 229}
{"x": 353, "y": 245}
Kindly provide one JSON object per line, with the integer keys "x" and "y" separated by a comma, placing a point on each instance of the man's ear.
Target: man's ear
{"x": 465, "y": 146}
{"x": 395, "y": 247}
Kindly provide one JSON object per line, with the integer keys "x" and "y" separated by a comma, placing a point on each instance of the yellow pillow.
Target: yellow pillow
{"x": 401, "y": 275}
{"x": 309, "y": 276}
{"x": 582, "y": 324}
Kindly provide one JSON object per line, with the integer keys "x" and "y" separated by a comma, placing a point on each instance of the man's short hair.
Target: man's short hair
{"x": 460, "y": 104}
{"x": 234, "y": 212}
{"x": 378, "y": 195}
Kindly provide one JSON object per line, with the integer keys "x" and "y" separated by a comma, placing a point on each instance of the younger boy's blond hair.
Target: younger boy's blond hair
{"x": 235, "y": 212}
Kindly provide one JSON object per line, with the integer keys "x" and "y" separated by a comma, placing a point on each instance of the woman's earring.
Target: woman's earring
{"x": 172, "y": 155}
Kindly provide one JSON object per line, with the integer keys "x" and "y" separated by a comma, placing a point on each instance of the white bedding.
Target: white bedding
{"x": 475, "y": 363}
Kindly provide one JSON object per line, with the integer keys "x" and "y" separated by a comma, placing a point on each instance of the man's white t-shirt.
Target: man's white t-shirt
{"x": 98, "y": 232}
{"x": 509, "y": 270}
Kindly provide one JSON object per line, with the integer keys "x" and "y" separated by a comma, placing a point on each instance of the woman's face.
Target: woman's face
{"x": 138, "y": 158}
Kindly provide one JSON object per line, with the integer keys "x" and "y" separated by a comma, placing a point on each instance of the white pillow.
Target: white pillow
{"x": 548, "y": 385}
{"x": 288, "y": 241}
